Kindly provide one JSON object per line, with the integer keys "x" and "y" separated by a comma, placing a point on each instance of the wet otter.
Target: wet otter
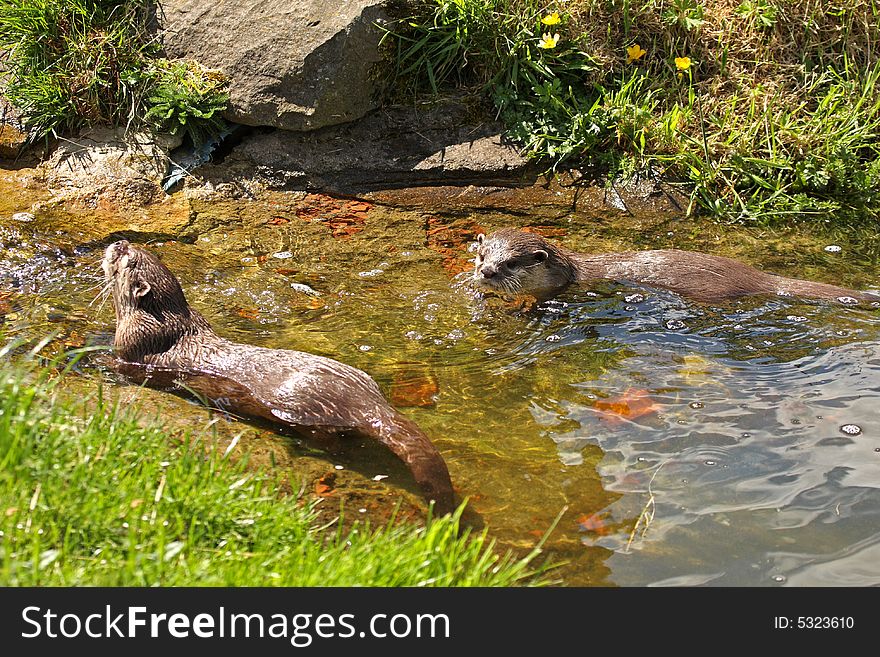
{"x": 518, "y": 262}
{"x": 163, "y": 342}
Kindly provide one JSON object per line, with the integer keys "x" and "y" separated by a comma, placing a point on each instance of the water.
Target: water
{"x": 682, "y": 443}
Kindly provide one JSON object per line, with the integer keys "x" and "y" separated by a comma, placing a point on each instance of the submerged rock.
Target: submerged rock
{"x": 292, "y": 65}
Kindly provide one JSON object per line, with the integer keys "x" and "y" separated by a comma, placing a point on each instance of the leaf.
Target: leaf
{"x": 173, "y": 549}
{"x": 47, "y": 557}
{"x": 326, "y": 485}
{"x": 598, "y": 524}
{"x": 248, "y": 313}
{"x": 632, "y": 404}
{"x": 414, "y": 389}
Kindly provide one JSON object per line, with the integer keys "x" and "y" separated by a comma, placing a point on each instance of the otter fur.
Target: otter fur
{"x": 167, "y": 344}
{"x": 517, "y": 262}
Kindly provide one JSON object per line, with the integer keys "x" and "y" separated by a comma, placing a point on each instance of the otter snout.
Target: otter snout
{"x": 116, "y": 250}
{"x": 113, "y": 254}
{"x": 488, "y": 271}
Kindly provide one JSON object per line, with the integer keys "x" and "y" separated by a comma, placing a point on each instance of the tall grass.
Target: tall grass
{"x": 761, "y": 110}
{"x": 76, "y": 63}
{"x": 90, "y": 494}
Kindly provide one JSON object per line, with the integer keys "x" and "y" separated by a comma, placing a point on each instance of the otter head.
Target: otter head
{"x": 516, "y": 262}
{"x": 151, "y": 311}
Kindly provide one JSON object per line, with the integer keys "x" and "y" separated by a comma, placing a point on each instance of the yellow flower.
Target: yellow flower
{"x": 682, "y": 63}
{"x": 548, "y": 41}
{"x": 634, "y": 53}
{"x": 551, "y": 19}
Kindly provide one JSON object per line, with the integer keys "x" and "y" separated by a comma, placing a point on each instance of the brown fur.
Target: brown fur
{"x": 518, "y": 262}
{"x": 164, "y": 342}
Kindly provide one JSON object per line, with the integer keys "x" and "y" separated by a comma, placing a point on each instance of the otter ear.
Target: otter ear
{"x": 142, "y": 288}
{"x": 540, "y": 255}
{"x": 481, "y": 238}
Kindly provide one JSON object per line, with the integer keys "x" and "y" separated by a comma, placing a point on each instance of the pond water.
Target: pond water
{"x": 682, "y": 443}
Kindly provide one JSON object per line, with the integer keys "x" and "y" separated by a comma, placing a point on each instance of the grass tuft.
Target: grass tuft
{"x": 77, "y": 63}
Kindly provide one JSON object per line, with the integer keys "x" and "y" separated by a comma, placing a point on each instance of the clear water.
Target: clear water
{"x": 682, "y": 443}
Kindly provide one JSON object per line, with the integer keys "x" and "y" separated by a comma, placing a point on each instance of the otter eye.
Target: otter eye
{"x": 512, "y": 263}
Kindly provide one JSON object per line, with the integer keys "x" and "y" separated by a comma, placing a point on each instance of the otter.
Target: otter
{"x": 162, "y": 342}
{"x": 517, "y": 262}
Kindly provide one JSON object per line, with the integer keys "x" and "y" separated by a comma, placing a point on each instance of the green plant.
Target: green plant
{"x": 760, "y": 12}
{"x": 687, "y": 14}
{"x": 187, "y": 99}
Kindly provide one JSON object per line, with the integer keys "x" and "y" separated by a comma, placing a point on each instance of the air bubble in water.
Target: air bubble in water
{"x": 710, "y": 462}
{"x": 696, "y": 404}
{"x": 848, "y": 301}
{"x": 851, "y": 429}
{"x": 553, "y": 338}
{"x": 780, "y": 579}
{"x": 634, "y": 298}
{"x": 675, "y": 324}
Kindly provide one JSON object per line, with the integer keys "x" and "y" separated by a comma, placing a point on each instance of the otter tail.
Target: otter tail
{"x": 809, "y": 289}
{"x": 407, "y": 441}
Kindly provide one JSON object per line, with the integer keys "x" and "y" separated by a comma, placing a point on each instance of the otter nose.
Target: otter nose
{"x": 488, "y": 271}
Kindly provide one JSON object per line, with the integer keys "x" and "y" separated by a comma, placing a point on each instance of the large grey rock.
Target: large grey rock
{"x": 296, "y": 65}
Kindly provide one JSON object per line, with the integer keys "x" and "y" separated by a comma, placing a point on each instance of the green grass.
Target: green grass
{"x": 761, "y": 111}
{"x": 79, "y": 63}
{"x": 90, "y": 494}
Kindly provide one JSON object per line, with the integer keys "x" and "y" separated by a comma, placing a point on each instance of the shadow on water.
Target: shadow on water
{"x": 735, "y": 444}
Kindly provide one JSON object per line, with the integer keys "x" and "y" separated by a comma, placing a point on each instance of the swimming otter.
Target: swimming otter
{"x": 163, "y": 342}
{"x": 517, "y": 262}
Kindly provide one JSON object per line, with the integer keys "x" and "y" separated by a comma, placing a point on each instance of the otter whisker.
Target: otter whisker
{"x": 103, "y": 295}
{"x": 100, "y": 284}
